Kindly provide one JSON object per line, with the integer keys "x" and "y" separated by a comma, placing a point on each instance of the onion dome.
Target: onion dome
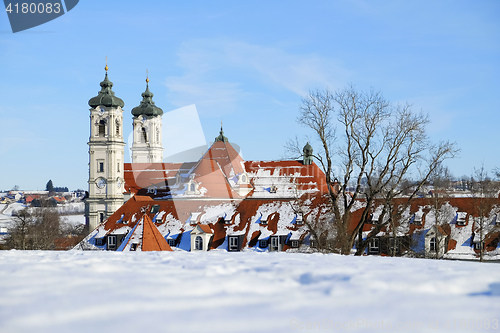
{"x": 106, "y": 96}
{"x": 147, "y": 107}
{"x": 221, "y": 137}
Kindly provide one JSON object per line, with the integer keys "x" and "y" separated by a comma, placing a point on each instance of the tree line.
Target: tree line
{"x": 40, "y": 229}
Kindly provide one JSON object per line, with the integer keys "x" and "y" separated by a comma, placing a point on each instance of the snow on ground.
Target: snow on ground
{"x": 73, "y": 219}
{"x": 220, "y": 291}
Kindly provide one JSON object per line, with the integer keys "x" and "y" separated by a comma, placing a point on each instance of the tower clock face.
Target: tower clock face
{"x": 101, "y": 183}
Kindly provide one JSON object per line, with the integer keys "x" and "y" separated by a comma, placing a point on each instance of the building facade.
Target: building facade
{"x": 106, "y": 155}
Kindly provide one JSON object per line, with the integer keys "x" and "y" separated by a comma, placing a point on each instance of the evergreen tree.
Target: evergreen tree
{"x": 49, "y": 187}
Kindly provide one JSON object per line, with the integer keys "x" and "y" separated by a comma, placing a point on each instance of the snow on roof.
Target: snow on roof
{"x": 120, "y": 231}
{"x": 265, "y": 233}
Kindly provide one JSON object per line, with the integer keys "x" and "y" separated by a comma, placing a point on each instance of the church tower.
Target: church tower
{"x": 147, "y": 146}
{"x": 106, "y": 155}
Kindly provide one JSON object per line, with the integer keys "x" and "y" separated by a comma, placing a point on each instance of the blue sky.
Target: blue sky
{"x": 246, "y": 63}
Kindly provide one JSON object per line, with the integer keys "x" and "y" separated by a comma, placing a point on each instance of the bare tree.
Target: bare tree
{"x": 18, "y": 237}
{"x": 441, "y": 180}
{"x": 484, "y": 191}
{"x": 34, "y": 229}
{"x": 379, "y": 147}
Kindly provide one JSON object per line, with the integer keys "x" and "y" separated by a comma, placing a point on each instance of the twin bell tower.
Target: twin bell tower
{"x": 107, "y": 148}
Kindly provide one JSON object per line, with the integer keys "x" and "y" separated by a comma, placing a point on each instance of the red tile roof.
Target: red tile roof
{"x": 206, "y": 229}
{"x": 226, "y": 156}
{"x": 152, "y": 240}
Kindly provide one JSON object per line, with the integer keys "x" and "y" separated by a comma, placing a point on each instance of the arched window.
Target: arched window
{"x": 432, "y": 244}
{"x": 102, "y": 128}
{"x": 192, "y": 187}
{"x": 144, "y": 135}
{"x": 157, "y": 135}
{"x": 198, "y": 243}
{"x": 117, "y": 128}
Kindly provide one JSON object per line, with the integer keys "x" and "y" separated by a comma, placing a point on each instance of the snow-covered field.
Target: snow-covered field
{"x": 219, "y": 291}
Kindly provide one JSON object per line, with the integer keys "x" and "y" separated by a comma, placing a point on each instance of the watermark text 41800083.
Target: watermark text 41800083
{"x": 26, "y": 14}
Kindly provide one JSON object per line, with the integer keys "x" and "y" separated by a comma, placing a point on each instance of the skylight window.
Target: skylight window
{"x": 155, "y": 209}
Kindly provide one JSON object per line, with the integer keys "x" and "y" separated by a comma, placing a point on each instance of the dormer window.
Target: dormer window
{"x": 300, "y": 219}
{"x": 234, "y": 243}
{"x": 193, "y": 219}
{"x": 478, "y": 245}
{"x": 461, "y": 218}
{"x": 243, "y": 179}
{"x": 99, "y": 241}
{"x": 394, "y": 245}
{"x": 374, "y": 246}
{"x": 417, "y": 219}
{"x": 192, "y": 187}
{"x": 198, "y": 243}
{"x": 273, "y": 189}
{"x": 263, "y": 222}
{"x": 112, "y": 242}
{"x": 155, "y": 209}
{"x": 433, "y": 244}
{"x": 374, "y": 217}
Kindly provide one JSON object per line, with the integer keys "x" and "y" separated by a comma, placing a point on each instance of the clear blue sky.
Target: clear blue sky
{"x": 246, "y": 63}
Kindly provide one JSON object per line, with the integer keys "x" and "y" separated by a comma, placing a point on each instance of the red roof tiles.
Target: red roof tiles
{"x": 152, "y": 240}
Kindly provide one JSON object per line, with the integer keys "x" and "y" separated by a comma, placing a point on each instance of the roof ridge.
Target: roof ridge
{"x": 161, "y": 243}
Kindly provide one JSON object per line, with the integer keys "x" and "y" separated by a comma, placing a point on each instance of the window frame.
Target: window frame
{"x": 198, "y": 243}
{"x": 433, "y": 244}
{"x": 101, "y": 128}
{"x": 374, "y": 248}
{"x": 233, "y": 243}
{"x": 275, "y": 243}
{"x": 479, "y": 246}
{"x": 100, "y": 166}
{"x": 112, "y": 242}
{"x": 394, "y": 244}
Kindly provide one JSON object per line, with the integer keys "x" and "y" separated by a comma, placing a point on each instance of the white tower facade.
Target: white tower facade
{"x": 147, "y": 144}
{"x": 106, "y": 155}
